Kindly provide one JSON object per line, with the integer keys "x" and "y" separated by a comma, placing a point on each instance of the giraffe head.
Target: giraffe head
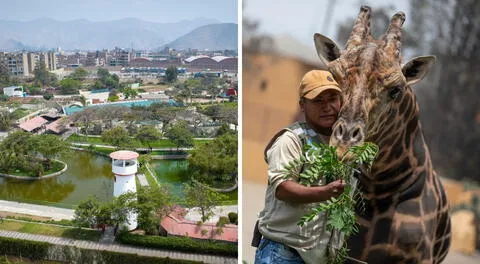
{"x": 372, "y": 78}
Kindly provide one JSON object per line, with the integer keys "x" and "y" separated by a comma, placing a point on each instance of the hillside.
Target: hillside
{"x": 46, "y": 33}
{"x": 211, "y": 37}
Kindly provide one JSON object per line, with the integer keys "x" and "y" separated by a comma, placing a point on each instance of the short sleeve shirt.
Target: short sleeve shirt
{"x": 278, "y": 220}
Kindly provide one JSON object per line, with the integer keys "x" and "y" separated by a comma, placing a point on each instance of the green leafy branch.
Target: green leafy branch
{"x": 321, "y": 160}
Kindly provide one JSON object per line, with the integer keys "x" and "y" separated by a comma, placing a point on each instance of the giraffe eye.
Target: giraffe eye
{"x": 394, "y": 92}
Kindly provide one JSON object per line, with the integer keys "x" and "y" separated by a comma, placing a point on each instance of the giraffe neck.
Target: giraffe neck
{"x": 402, "y": 152}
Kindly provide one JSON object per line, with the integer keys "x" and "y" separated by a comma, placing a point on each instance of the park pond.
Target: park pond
{"x": 174, "y": 172}
{"x": 88, "y": 174}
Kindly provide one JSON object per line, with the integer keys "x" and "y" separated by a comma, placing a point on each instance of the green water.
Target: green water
{"x": 174, "y": 174}
{"x": 90, "y": 174}
{"x": 87, "y": 174}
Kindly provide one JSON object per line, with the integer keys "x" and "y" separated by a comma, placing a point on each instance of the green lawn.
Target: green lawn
{"x": 21, "y": 260}
{"x": 50, "y": 230}
{"x": 161, "y": 143}
{"x": 151, "y": 181}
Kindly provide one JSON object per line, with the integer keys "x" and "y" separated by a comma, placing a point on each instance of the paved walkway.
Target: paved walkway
{"x": 194, "y": 214}
{"x": 115, "y": 247}
{"x": 142, "y": 179}
{"x": 55, "y": 213}
{"x": 139, "y": 149}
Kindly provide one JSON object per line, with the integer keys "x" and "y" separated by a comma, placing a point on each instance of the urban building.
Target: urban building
{"x": 13, "y": 91}
{"x": 49, "y": 59}
{"x": 203, "y": 62}
{"x": 17, "y": 63}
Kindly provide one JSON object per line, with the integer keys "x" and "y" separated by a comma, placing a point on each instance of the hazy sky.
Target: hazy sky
{"x": 102, "y": 10}
{"x": 302, "y": 18}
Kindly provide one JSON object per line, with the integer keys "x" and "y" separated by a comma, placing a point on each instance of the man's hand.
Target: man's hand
{"x": 335, "y": 188}
{"x": 290, "y": 191}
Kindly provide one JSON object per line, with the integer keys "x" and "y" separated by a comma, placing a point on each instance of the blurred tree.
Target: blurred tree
{"x": 4, "y": 75}
{"x": 180, "y": 135}
{"x": 117, "y": 137}
{"x": 215, "y": 160}
{"x": 147, "y": 135}
{"x": 198, "y": 195}
{"x": 49, "y": 146}
{"x": 79, "y": 74}
{"x": 171, "y": 74}
{"x": 449, "y": 96}
{"x": 70, "y": 86}
{"x": 6, "y": 120}
{"x": 130, "y": 93}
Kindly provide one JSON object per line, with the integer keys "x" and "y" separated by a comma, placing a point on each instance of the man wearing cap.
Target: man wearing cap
{"x": 286, "y": 201}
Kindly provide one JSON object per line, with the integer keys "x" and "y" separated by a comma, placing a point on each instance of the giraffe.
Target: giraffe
{"x": 406, "y": 216}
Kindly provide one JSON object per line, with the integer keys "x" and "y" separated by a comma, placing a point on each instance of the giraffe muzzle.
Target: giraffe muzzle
{"x": 346, "y": 134}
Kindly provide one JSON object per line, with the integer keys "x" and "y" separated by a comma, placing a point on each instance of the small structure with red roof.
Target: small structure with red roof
{"x": 34, "y": 125}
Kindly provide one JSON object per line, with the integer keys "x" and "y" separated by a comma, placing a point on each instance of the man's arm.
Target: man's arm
{"x": 290, "y": 191}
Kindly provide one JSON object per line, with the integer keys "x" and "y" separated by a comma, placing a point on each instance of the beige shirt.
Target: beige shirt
{"x": 278, "y": 221}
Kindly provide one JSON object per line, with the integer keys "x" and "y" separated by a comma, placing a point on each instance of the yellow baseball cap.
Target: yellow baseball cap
{"x": 315, "y": 82}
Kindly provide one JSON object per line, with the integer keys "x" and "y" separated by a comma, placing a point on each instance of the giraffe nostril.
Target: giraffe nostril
{"x": 356, "y": 134}
{"x": 339, "y": 131}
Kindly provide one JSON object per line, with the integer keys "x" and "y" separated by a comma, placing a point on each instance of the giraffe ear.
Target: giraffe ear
{"x": 416, "y": 68}
{"x": 327, "y": 50}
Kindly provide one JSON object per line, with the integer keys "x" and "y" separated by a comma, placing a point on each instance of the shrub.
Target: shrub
{"x": 222, "y": 221}
{"x": 179, "y": 243}
{"x": 39, "y": 251}
{"x": 233, "y": 217}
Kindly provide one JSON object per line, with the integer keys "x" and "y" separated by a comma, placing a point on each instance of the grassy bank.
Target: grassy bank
{"x": 50, "y": 230}
{"x": 161, "y": 143}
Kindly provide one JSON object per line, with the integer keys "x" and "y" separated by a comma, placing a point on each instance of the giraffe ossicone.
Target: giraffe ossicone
{"x": 407, "y": 216}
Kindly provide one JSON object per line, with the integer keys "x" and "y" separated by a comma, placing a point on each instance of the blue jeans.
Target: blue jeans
{"x": 271, "y": 252}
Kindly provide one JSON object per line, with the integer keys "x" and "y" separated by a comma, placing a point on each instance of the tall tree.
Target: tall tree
{"x": 198, "y": 195}
{"x": 448, "y": 99}
{"x": 6, "y": 120}
{"x": 4, "y": 75}
{"x": 70, "y": 86}
{"x": 180, "y": 135}
{"x": 43, "y": 77}
{"x": 15, "y": 150}
{"x": 154, "y": 203}
{"x": 216, "y": 160}
{"x": 79, "y": 74}
{"x": 147, "y": 135}
{"x": 130, "y": 93}
{"x": 117, "y": 137}
{"x": 171, "y": 74}
{"x": 85, "y": 117}
{"x": 50, "y": 147}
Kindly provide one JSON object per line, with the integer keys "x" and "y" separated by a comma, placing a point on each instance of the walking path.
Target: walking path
{"x": 141, "y": 178}
{"x": 115, "y": 247}
{"x": 139, "y": 149}
{"x": 55, "y": 213}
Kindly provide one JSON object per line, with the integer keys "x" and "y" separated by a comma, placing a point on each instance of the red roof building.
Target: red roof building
{"x": 176, "y": 225}
{"x": 34, "y": 124}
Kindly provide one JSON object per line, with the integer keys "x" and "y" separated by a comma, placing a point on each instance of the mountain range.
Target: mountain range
{"x": 80, "y": 34}
{"x": 212, "y": 37}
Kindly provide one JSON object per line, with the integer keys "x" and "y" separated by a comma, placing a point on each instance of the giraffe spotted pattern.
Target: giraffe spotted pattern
{"x": 406, "y": 219}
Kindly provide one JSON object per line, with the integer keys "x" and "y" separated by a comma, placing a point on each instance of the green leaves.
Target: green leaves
{"x": 320, "y": 161}
{"x": 364, "y": 154}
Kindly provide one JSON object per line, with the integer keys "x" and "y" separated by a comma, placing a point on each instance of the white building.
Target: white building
{"x": 124, "y": 166}
{"x": 13, "y": 91}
